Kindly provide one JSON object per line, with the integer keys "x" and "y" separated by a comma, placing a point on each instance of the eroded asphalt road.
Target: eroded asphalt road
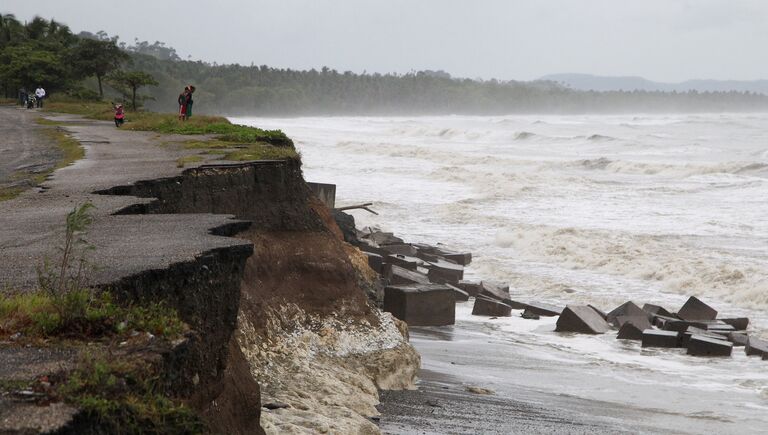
{"x": 24, "y": 150}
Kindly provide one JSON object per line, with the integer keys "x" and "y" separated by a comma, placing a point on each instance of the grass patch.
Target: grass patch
{"x": 183, "y": 161}
{"x": 261, "y": 152}
{"x": 169, "y": 123}
{"x": 36, "y": 315}
{"x": 8, "y": 101}
{"x": 124, "y": 396}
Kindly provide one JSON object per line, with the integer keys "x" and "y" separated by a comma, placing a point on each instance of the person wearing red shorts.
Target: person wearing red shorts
{"x": 183, "y": 104}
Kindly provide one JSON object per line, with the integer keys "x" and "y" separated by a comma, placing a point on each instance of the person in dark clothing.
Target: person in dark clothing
{"x": 23, "y": 97}
{"x": 183, "y": 104}
{"x": 189, "y": 100}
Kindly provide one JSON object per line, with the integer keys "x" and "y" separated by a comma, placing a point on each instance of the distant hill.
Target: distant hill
{"x": 588, "y": 82}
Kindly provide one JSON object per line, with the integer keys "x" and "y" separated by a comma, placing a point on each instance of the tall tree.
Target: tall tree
{"x": 129, "y": 83}
{"x": 91, "y": 57}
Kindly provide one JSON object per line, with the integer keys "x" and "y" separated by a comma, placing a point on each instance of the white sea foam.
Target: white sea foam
{"x": 596, "y": 209}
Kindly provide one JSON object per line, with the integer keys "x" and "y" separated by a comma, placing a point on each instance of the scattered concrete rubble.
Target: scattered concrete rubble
{"x": 422, "y": 283}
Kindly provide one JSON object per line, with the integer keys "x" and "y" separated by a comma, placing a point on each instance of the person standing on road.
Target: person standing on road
{"x": 183, "y": 104}
{"x": 23, "y": 96}
{"x": 40, "y": 94}
{"x": 189, "y": 100}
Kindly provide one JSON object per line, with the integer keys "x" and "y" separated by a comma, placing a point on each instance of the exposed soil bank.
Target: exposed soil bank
{"x": 284, "y": 303}
{"x": 305, "y": 325}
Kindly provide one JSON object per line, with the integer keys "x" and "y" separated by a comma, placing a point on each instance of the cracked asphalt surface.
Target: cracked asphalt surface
{"x": 32, "y": 225}
{"x": 24, "y": 150}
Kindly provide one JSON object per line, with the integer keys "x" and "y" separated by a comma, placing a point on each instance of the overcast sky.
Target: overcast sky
{"x": 665, "y": 40}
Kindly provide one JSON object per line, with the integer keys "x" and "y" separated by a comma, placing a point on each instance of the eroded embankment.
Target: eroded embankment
{"x": 305, "y": 329}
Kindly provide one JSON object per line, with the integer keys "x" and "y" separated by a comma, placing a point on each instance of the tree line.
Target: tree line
{"x": 92, "y": 65}
{"x": 46, "y": 53}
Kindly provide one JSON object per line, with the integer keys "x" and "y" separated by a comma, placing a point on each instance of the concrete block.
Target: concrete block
{"x": 492, "y": 291}
{"x": 756, "y": 347}
{"x": 400, "y": 249}
{"x": 490, "y": 307}
{"x": 543, "y": 309}
{"x": 461, "y": 258}
{"x": 515, "y": 304}
{"x": 401, "y": 276}
{"x": 326, "y": 193}
{"x": 442, "y": 271}
{"x": 738, "y": 338}
{"x": 625, "y": 309}
{"x": 602, "y": 313}
{"x": 682, "y": 325}
{"x": 632, "y": 327}
{"x": 692, "y": 330}
{"x": 459, "y": 294}
{"x": 695, "y": 309}
{"x": 654, "y": 310}
{"x": 375, "y": 262}
{"x": 404, "y": 261}
{"x": 471, "y": 287}
{"x": 421, "y": 305}
{"x": 583, "y": 319}
{"x": 656, "y": 338}
{"x": 700, "y": 345}
{"x": 738, "y": 323}
{"x": 381, "y": 238}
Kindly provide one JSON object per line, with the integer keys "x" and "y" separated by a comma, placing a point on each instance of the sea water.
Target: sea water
{"x": 573, "y": 210}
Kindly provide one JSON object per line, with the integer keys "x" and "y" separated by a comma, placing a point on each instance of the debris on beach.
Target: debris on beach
{"x": 422, "y": 283}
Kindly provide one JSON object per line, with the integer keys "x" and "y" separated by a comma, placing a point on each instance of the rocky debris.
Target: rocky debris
{"x": 404, "y": 261}
{"x": 701, "y": 345}
{"x": 543, "y": 309}
{"x": 654, "y": 310}
{"x": 756, "y": 347}
{"x": 738, "y": 338}
{"x": 738, "y": 323}
{"x": 485, "y": 306}
{"x": 582, "y": 319}
{"x": 442, "y": 271}
{"x": 461, "y": 258}
{"x": 458, "y": 294}
{"x": 401, "y": 249}
{"x": 375, "y": 262}
{"x": 632, "y": 327}
{"x": 625, "y": 309}
{"x": 471, "y": 287}
{"x": 380, "y": 238}
{"x": 346, "y": 223}
{"x": 478, "y": 390}
{"x": 656, "y": 338}
{"x": 692, "y": 330}
{"x": 397, "y": 275}
{"x": 492, "y": 291}
{"x": 527, "y": 314}
{"x": 420, "y": 304}
{"x": 695, "y": 309}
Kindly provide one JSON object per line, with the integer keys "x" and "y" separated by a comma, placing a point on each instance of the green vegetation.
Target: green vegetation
{"x": 124, "y": 395}
{"x": 90, "y": 314}
{"x": 130, "y": 82}
{"x": 64, "y": 306}
{"x": 183, "y": 161}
